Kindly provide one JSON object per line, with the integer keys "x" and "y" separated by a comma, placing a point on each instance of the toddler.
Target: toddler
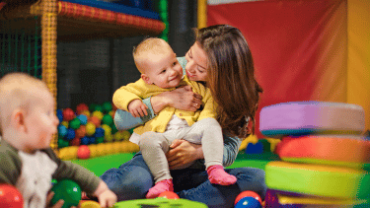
{"x": 27, "y": 123}
{"x": 161, "y": 72}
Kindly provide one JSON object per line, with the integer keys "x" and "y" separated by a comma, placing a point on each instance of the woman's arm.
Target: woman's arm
{"x": 183, "y": 152}
{"x": 182, "y": 98}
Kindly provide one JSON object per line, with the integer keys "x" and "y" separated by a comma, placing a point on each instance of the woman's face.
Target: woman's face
{"x": 196, "y": 68}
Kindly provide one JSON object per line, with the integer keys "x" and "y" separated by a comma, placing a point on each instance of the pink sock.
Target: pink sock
{"x": 159, "y": 187}
{"x": 217, "y": 175}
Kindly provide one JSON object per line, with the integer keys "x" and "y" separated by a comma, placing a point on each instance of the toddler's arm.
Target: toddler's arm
{"x": 106, "y": 197}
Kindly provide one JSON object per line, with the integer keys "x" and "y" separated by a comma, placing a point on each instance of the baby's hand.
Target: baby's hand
{"x": 106, "y": 197}
{"x": 137, "y": 108}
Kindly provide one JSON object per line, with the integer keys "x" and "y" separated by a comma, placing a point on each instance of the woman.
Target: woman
{"x": 220, "y": 58}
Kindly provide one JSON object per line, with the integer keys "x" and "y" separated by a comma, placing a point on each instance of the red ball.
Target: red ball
{"x": 81, "y": 107}
{"x": 83, "y": 152}
{"x": 10, "y": 197}
{"x": 81, "y": 132}
{"x": 169, "y": 195}
{"x": 68, "y": 114}
{"x": 246, "y": 194}
{"x": 75, "y": 142}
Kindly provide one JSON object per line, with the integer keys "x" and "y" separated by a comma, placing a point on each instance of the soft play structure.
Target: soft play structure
{"x": 304, "y": 50}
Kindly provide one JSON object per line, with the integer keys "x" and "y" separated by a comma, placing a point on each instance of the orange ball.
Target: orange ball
{"x": 95, "y": 120}
{"x": 83, "y": 152}
{"x": 169, "y": 195}
{"x": 81, "y": 132}
{"x": 75, "y": 142}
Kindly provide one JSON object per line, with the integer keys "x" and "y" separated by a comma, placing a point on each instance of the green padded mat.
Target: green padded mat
{"x": 159, "y": 202}
{"x": 101, "y": 164}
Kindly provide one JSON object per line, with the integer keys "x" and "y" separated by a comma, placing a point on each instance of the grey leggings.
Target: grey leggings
{"x": 154, "y": 146}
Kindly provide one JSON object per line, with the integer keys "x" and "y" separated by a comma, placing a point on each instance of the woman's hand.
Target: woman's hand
{"x": 183, "y": 152}
{"x": 182, "y": 98}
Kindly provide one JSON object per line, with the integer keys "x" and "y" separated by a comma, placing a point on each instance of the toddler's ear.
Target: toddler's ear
{"x": 17, "y": 120}
{"x": 146, "y": 79}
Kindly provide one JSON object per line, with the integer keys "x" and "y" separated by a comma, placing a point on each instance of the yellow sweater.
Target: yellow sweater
{"x": 140, "y": 90}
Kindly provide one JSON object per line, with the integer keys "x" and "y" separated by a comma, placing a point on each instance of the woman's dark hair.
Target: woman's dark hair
{"x": 230, "y": 77}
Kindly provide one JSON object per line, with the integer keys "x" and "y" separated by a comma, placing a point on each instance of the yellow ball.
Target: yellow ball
{"x": 90, "y": 129}
{"x": 86, "y": 113}
{"x": 109, "y": 138}
{"x": 126, "y": 135}
{"x": 107, "y": 130}
{"x": 111, "y": 113}
{"x": 98, "y": 114}
{"x": 65, "y": 123}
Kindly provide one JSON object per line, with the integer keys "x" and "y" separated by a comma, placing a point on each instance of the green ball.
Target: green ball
{"x": 92, "y": 107}
{"x": 107, "y": 119}
{"x": 114, "y": 128}
{"x": 99, "y": 108}
{"x": 131, "y": 130}
{"x": 107, "y": 106}
{"x": 99, "y": 140}
{"x": 67, "y": 190}
{"x": 62, "y": 143}
{"x": 75, "y": 123}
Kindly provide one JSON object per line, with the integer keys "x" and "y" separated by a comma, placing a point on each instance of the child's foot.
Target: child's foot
{"x": 158, "y": 188}
{"x": 217, "y": 175}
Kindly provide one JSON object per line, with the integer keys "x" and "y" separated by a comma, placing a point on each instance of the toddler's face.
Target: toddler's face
{"x": 41, "y": 121}
{"x": 164, "y": 70}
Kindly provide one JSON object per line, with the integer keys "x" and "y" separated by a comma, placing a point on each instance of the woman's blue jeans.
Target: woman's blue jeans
{"x": 133, "y": 179}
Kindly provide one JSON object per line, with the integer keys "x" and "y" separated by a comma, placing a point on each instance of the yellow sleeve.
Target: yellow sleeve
{"x": 124, "y": 95}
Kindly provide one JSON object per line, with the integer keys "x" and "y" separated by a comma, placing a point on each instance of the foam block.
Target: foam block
{"x": 301, "y": 118}
{"x": 318, "y": 180}
{"x": 341, "y": 150}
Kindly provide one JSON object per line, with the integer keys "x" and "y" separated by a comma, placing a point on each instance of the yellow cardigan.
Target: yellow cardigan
{"x": 140, "y": 90}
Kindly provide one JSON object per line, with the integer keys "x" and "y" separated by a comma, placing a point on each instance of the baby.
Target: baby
{"x": 161, "y": 72}
{"x": 27, "y": 123}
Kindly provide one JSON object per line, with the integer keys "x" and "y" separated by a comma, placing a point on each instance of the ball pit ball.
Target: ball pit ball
{"x": 67, "y": 190}
{"x": 98, "y": 114}
{"x": 82, "y": 118}
{"x": 125, "y": 135}
{"x": 62, "y": 130}
{"x": 68, "y": 114}
{"x": 75, "y": 123}
{"x": 83, "y": 152}
{"x": 65, "y": 123}
{"x": 85, "y": 140}
{"x": 70, "y": 134}
{"x": 90, "y": 204}
{"x": 90, "y": 129}
{"x": 99, "y": 140}
{"x": 107, "y": 130}
{"x": 86, "y": 113}
{"x": 10, "y": 196}
{"x": 92, "y": 107}
{"x": 169, "y": 195}
{"x": 81, "y": 132}
{"x": 81, "y": 107}
{"x": 99, "y": 132}
{"x": 246, "y": 194}
{"x": 95, "y": 120}
{"x": 107, "y": 119}
{"x": 75, "y": 142}
{"x": 99, "y": 108}
{"x": 107, "y": 106}
{"x": 248, "y": 202}
{"x": 60, "y": 115}
{"x": 62, "y": 143}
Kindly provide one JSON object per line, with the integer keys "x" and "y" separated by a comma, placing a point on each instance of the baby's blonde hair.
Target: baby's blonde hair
{"x": 16, "y": 91}
{"x": 149, "y": 45}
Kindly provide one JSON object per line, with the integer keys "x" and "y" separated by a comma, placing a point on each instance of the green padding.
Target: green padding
{"x": 159, "y": 202}
{"x": 319, "y": 180}
{"x": 327, "y": 162}
{"x": 99, "y": 165}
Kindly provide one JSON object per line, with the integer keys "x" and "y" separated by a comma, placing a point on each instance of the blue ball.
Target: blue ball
{"x": 99, "y": 132}
{"x": 85, "y": 140}
{"x": 70, "y": 134}
{"x": 82, "y": 118}
{"x": 92, "y": 140}
{"x": 60, "y": 115}
{"x": 248, "y": 202}
{"x": 62, "y": 130}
